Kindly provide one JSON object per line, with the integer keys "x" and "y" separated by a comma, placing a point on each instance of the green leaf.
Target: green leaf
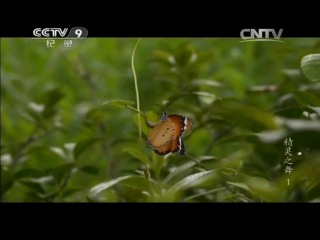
{"x": 69, "y": 191}
{"x": 44, "y": 157}
{"x": 183, "y": 54}
{"x": 150, "y": 117}
{"x": 310, "y": 66}
{"x": 61, "y": 171}
{"x": 95, "y": 116}
{"x": 35, "y": 107}
{"x": 29, "y": 173}
{"x": 83, "y": 145}
{"x": 203, "y": 96}
{"x": 187, "y": 199}
{"x": 49, "y": 196}
{"x": 187, "y": 166}
{"x": 96, "y": 190}
{"x": 293, "y": 73}
{"x": 179, "y": 170}
{"x": 247, "y": 137}
{"x": 36, "y": 196}
{"x": 234, "y": 160}
{"x": 164, "y": 57}
{"x": 33, "y": 197}
{"x": 33, "y": 186}
{"x": 59, "y": 151}
{"x": 207, "y": 82}
{"x": 314, "y": 191}
{"x": 6, "y": 180}
{"x": 289, "y": 112}
{"x": 144, "y": 127}
{"x": 31, "y": 114}
{"x": 157, "y": 164}
{"x": 305, "y": 133}
{"x": 138, "y": 182}
{"x": 119, "y": 103}
{"x": 49, "y": 112}
{"x": 240, "y": 185}
{"x": 250, "y": 117}
{"x": 305, "y": 98}
{"x": 262, "y": 89}
{"x": 264, "y": 189}
{"x": 139, "y": 155}
{"x": 190, "y": 181}
{"x": 89, "y": 169}
{"x": 272, "y": 136}
{"x": 52, "y": 97}
{"x": 301, "y": 125}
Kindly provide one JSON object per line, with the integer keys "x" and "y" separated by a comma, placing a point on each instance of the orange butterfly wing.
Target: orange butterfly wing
{"x": 166, "y": 136}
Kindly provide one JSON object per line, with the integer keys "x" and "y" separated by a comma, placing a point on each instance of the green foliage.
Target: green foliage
{"x": 310, "y": 65}
{"x": 70, "y": 120}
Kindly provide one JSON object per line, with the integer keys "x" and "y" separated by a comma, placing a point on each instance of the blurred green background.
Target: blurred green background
{"x": 69, "y": 131}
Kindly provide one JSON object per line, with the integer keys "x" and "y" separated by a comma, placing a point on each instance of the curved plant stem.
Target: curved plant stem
{"x": 136, "y": 86}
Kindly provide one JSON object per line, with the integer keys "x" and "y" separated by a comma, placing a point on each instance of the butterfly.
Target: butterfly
{"x": 166, "y": 135}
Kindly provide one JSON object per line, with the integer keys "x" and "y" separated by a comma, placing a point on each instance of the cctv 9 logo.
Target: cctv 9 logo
{"x": 75, "y": 32}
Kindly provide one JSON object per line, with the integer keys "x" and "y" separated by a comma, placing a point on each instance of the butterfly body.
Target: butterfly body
{"x": 166, "y": 135}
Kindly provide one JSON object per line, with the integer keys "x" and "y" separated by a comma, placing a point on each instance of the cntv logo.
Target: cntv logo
{"x": 268, "y": 35}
